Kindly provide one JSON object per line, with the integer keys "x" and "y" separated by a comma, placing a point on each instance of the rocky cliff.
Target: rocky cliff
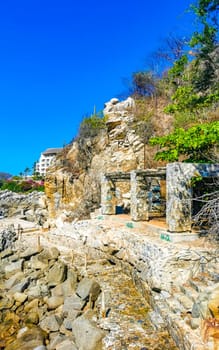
{"x": 73, "y": 183}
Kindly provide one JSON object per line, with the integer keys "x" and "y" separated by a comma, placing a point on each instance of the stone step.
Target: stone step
{"x": 161, "y": 308}
{"x": 189, "y": 291}
{"x": 174, "y": 305}
{"x": 199, "y": 285}
{"x": 186, "y": 302}
{"x": 179, "y": 327}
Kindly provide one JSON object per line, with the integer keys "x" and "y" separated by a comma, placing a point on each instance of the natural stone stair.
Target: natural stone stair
{"x": 173, "y": 305}
{"x": 179, "y": 322}
{"x": 198, "y": 284}
{"x": 176, "y": 311}
{"x": 185, "y": 301}
{"x": 189, "y": 291}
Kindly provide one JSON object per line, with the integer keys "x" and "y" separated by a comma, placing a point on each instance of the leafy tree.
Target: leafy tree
{"x": 197, "y": 144}
{"x": 205, "y": 42}
{"x": 194, "y": 84}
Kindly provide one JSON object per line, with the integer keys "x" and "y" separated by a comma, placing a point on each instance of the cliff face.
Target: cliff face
{"x": 73, "y": 183}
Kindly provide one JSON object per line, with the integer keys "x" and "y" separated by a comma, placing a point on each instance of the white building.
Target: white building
{"x": 45, "y": 160}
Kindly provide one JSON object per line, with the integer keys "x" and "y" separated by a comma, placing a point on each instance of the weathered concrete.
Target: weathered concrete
{"x": 179, "y": 192}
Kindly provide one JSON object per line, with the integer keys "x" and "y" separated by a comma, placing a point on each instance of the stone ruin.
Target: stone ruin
{"x": 162, "y": 192}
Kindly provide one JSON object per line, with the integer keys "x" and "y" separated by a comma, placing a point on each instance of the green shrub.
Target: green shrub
{"x": 22, "y": 186}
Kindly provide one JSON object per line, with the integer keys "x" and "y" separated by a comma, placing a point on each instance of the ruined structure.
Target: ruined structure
{"x": 149, "y": 198}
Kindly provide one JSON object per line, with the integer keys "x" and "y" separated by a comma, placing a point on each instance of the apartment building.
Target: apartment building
{"x": 45, "y": 160}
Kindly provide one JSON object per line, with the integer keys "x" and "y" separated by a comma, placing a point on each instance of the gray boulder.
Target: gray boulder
{"x": 88, "y": 287}
{"x": 51, "y": 323}
{"x": 73, "y": 302}
{"x": 66, "y": 345}
{"x": 7, "y": 238}
{"x": 21, "y": 286}
{"x": 87, "y": 335}
{"x": 57, "y": 274}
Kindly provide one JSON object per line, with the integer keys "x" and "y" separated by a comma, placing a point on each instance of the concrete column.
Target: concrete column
{"x": 108, "y": 197}
{"x": 139, "y": 198}
{"x": 179, "y": 197}
{"x": 179, "y": 192}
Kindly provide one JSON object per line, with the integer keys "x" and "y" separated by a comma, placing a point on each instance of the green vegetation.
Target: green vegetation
{"x": 197, "y": 144}
{"x": 195, "y": 82}
{"x": 18, "y": 184}
{"x": 91, "y": 126}
{"x": 193, "y": 87}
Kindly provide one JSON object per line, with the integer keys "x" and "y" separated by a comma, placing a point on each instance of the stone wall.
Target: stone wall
{"x": 180, "y": 280}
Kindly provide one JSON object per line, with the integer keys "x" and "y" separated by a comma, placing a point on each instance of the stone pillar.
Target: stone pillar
{"x": 179, "y": 193}
{"x": 179, "y": 197}
{"x": 108, "y": 197}
{"x": 139, "y": 198}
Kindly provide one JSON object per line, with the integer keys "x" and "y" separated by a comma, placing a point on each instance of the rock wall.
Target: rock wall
{"x": 73, "y": 184}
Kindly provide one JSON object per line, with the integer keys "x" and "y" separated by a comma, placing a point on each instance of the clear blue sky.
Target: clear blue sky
{"x": 60, "y": 58}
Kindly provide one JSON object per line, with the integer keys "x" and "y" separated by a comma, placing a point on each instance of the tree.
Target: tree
{"x": 26, "y": 171}
{"x": 144, "y": 84}
{"x": 194, "y": 83}
{"x": 205, "y": 42}
{"x": 199, "y": 143}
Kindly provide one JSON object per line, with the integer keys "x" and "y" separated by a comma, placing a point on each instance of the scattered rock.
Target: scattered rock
{"x": 28, "y": 338}
{"x": 88, "y": 287}
{"x": 57, "y": 274}
{"x": 51, "y": 323}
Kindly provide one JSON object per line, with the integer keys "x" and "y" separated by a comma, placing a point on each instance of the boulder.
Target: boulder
{"x": 87, "y": 335}
{"x": 30, "y": 251}
{"x": 67, "y": 287}
{"x": 32, "y": 317}
{"x": 14, "y": 267}
{"x": 38, "y": 262}
{"x": 33, "y": 304}
{"x": 66, "y": 345}
{"x": 54, "y": 302}
{"x": 28, "y": 338}
{"x": 6, "y": 253}
{"x": 88, "y": 287}
{"x": 7, "y": 238}
{"x": 57, "y": 274}
{"x": 21, "y": 286}
{"x": 20, "y": 297}
{"x": 73, "y": 302}
{"x": 13, "y": 280}
{"x": 51, "y": 323}
{"x": 6, "y": 303}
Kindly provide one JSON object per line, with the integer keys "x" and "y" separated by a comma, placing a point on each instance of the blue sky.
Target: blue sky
{"x": 60, "y": 58}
